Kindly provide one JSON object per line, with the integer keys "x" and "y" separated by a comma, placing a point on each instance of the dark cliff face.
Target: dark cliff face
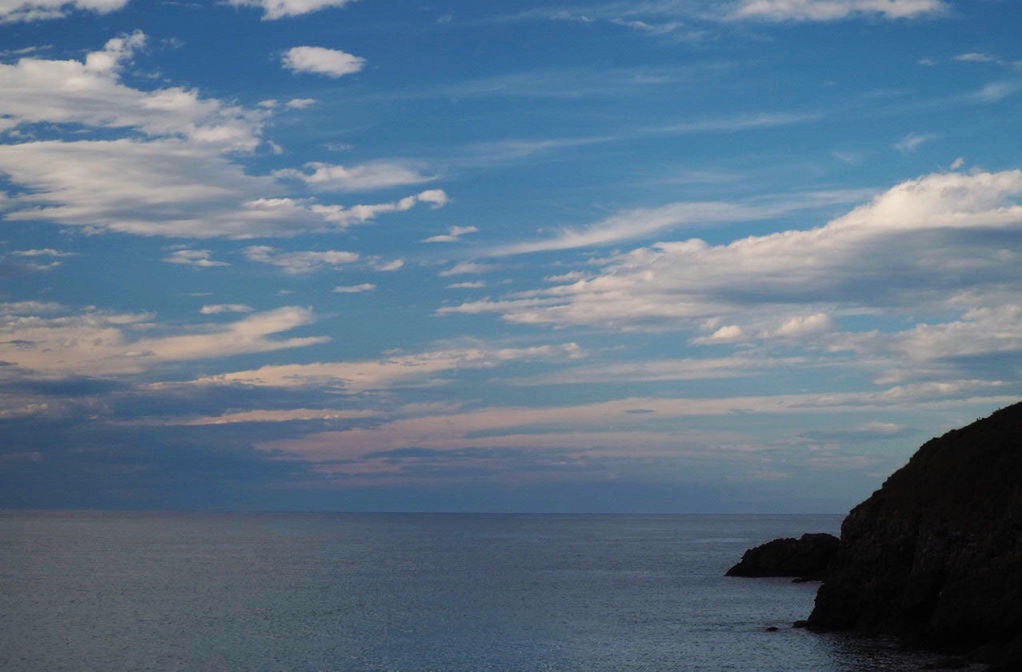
{"x": 935, "y": 555}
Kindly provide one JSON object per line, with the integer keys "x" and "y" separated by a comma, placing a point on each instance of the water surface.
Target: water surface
{"x": 88, "y": 591}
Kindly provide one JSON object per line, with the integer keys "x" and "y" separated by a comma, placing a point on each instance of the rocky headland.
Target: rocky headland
{"x": 805, "y": 558}
{"x": 934, "y": 557}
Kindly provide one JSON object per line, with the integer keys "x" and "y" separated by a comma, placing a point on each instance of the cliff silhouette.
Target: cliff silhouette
{"x": 935, "y": 555}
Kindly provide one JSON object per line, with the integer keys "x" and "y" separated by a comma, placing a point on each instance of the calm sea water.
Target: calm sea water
{"x": 406, "y": 593}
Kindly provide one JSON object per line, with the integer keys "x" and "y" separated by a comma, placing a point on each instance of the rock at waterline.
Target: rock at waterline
{"x": 806, "y": 557}
{"x": 935, "y": 555}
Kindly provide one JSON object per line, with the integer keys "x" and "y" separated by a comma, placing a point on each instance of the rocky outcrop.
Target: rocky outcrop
{"x": 935, "y": 555}
{"x": 806, "y": 557}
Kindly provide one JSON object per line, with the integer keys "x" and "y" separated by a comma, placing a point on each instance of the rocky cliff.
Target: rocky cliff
{"x": 805, "y": 558}
{"x": 935, "y": 555}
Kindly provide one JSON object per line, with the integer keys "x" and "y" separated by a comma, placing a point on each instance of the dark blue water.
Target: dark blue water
{"x": 405, "y": 593}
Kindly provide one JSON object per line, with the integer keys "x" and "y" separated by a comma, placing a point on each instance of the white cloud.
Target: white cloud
{"x": 102, "y": 343}
{"x": 354, "y": 289}
{"x": 976, "y": 57}
{"x": 921, "y": 246}
{"x": 278, "y": 9}
{"x": 47, "y": 252}
{"x": 420, "y": 368}
{"x": 654, "y": 29}
{"x": 570, "y": 276}
{"x": 729, "y": 333}
{"x": 174, "y": 173}
{"x": 38, "y": 10}
{"x": 453, "y": 235}
{"x": 730, "y": 124}
{"x": 29, "y": 307}
{"x": 364, "y": 177}
{"x": 285, "y": 415}
{"x": 167, "y": 188}
{"x": 40, "y": 265}
{"x": 702, "y": 368}
{"x": 605, "y": 425}
{"x": 989, "y": 330}
{"x": 995, "y": 92}
{"x": 832, "y": 10}
{"x": 220, "y": 308}
{"x": 389, "y": 266}
{"x": 468, "y": 268}
{"x": 89, "y": 93}
{"x": 162, "y": 187}
{"x": 913, "y": 141}
{"x": 437, "y": 198}
{"x": 322, "y": 61}
{"x": 300, "y": 262}
{"x": 641, "y": 222}
{"x": 803, "y": 325}
{"x": 301, "y": 103}
{"x": 200, "y": 258}
{"x": 478, "y": 284}
{"x": 359, "y": 214}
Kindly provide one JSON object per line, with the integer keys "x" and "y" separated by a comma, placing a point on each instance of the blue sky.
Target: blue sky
{"x": 519, "y": 256}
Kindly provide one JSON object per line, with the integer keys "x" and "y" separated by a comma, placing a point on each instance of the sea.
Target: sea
{"x": 282, "y": 592}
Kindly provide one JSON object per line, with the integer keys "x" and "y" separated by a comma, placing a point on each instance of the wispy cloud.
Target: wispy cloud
{"x": 468, "y": 268}
{"x": 453, "y": 235}
{"x": 94, "y": 342}
{"x": 913, "y": 141}
{"x": 199, "y": 258}
{"x": 173, "y": 173}
{"x": 834, "y": 10}
{"x": 656, "y": 370}
{"x": 517, "y": 149}
{"x": 995, "y": 92}
{"x": 301, "y": 103}
{"x": 45, "y": 252}
{"x": 12, "y": 11}
{"x": 90, "y": 92}
{"x": 220, "y": 308}
{"x": 37, "y": 260}
{"x": 736, "y": 123}
{"x": 642, "y": 222}
{"x": 584, "y": 427}
{"x": 976, "y": 57}
{"x": 924, "y": 247}
{"x": 364, "y": 177}
{"x": 354, "y": 289}
{"x": 279, "y": 9}
{"x": 296, "y": 263}
{"x": 273, "y": 415}
{"x": 397, "y": 369}
{"x": 661, "y": 15}
{"x": 389, "y": 266}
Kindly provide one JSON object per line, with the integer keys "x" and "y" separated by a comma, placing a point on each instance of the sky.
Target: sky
{"x": 447, "y": 255}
